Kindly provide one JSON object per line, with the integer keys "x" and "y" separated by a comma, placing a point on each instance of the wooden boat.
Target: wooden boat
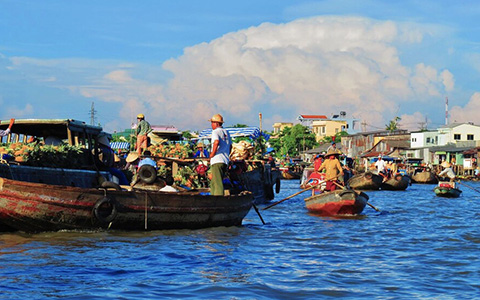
{"x": 37, "y": 198}
{"x": 425, "y": 176}
{"x": 338, "y": 202}
{"x": 447, "y": 189}
{"x": 290, "y": 173}
{"x": 34, "y": 207}
{"x": 365, "y": 181}
{"x": 396, "y": 183}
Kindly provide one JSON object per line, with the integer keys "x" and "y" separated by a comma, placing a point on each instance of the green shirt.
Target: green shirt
{"x": 143, "y": 128}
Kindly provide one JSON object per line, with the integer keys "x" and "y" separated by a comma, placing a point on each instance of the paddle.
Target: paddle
{"x": 256, "y": 209}
{"x": 298, "y": 193}
{"x": 342, "y": 186}
{"x": 468, "y": 186}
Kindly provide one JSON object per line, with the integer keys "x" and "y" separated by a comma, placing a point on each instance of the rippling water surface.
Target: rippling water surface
{"x": 418, "y": 246}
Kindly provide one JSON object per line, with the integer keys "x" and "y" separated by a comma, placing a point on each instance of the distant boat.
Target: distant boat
{"x": 365, "y": 181}
{"x": 396, "y": 183}
{"x": 337, "y": 203}
{"x": 290, "y": 173}
{"x": 447, "y": 190}
{"x": 424, "y": 175}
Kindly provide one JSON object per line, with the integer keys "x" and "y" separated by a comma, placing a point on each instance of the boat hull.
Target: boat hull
{"x": 365, "y": 181}
{"x": 447, "y": 192}
{"x": 397, "y": 183}
{"x": 34, "y": 207}
{"x": 425, "y": 177}
{"x": 337, "y": 203}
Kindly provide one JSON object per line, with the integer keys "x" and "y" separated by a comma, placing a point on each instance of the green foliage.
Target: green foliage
{"x": 393, "y": 125}
{"x": 293, "y": 140}
{"x": 338, "y": 137}
{"x": 239, "y": 126}
{"x": 187, "y": 135}
{"x": 63, "y": 156}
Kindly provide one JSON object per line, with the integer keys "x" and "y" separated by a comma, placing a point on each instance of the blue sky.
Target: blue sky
{"x": 180, "y": 62}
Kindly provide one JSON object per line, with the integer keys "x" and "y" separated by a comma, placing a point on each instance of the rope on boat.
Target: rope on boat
{"x": 146, "y": 211}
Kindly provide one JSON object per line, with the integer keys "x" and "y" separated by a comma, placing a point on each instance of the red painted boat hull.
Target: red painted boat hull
{"x": 336, "y": 203}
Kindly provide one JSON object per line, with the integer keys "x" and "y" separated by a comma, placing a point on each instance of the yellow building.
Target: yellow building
{"x": 325, "y": 128}
{"x": 278, "y": 127}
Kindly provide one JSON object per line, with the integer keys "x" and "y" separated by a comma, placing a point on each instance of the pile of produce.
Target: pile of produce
{"x": 186, "y": 176}
{"x": 177, "y": 150}
{"x": 242, "y": 150}
{"x": 37, "y": 155}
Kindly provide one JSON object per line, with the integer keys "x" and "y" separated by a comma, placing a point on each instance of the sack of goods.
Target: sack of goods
{"x": 242, "y": 150}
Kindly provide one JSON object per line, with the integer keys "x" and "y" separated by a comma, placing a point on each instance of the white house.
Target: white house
{"x": 463, "y": 133}
{"x": 422, "y": 139}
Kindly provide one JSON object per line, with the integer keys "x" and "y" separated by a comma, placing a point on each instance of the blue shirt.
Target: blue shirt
{"x": 147, "y": 161}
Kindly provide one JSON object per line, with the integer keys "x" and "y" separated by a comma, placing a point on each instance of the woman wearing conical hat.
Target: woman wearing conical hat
{"x": 333, "y": 169}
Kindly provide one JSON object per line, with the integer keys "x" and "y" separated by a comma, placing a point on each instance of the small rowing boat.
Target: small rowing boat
{"x": 396, "y": 183}
{"x": 365, "y": 181}
{"x": 338, "y": 202}
{"x": 425, "y": 176}
{"x": 447, "y": 190}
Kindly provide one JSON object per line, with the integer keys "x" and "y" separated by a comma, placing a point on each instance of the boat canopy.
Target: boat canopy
{"x": 120, "y": 145}
{"x": 252, "y": 132}
{"x": 50, "y": 127}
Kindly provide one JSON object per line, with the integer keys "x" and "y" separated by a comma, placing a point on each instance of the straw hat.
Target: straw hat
{"x": 131, "y": 157}
{"x": 217, "y": 118}
{"x": 140, "y": 116}
{"x": 332, "y": 152}
{"x": 446, "y": 164}
{"x": 200, "y": 145}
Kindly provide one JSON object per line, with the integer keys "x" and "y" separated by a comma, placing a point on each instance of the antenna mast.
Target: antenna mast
{"x": 92, "y": 114}
{"x": 446, "y": 110}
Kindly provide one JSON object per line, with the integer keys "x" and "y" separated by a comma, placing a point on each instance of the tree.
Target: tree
{"x": 393, "y": 125}
{"x": 338, "y": 137}
{"x": 292, "y": 140}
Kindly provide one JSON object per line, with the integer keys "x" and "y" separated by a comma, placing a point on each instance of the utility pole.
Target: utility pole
{"x": 92, "y": 114}
{"x": 446, "y": 110}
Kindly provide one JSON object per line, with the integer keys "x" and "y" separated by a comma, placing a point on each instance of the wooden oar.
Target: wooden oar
{"x": 342, "y": 186}
{"x": 298, "y": 193}
{"x": 258, "y": 213}
{"x": 468, "y": 186}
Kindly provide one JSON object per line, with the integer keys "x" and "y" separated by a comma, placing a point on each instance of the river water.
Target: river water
{"x": 418, "y": 246}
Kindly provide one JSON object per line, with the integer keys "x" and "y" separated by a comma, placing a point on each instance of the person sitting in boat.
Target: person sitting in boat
{"x": 201, "y": 151}
{"x": 169, "y": 185}
{"x": 333, "y": 169}
{"x": 347, "y": 163}
{"x": 447, "y": 171}
{"x": 147, "y": 160}
{"x": 107, "y": 160}
{"x": 8, "y": 130}
{"x": 318, "y": 161}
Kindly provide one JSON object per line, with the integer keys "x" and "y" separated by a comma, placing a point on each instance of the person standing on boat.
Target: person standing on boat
{"x": 333, "y": 169}
{"x": 201, "y": 151}
{"x": 220, "y": 155}
{"x": 332, "y": 147}
{"x": 8, "y": 130}
{"x": 380, "y": 165}
{"x": 447, "y": 171}
{"x": 143, "y": 129}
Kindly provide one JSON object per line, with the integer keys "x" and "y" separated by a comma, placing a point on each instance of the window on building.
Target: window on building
{"x": 414, "y": 140}
{"x": 323, "y": 129}
{"x": 470, "y": 137}
{"x": 428, "y": 140}
{"x": 336, "y": 130}
{"x": 456, "y": 136}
